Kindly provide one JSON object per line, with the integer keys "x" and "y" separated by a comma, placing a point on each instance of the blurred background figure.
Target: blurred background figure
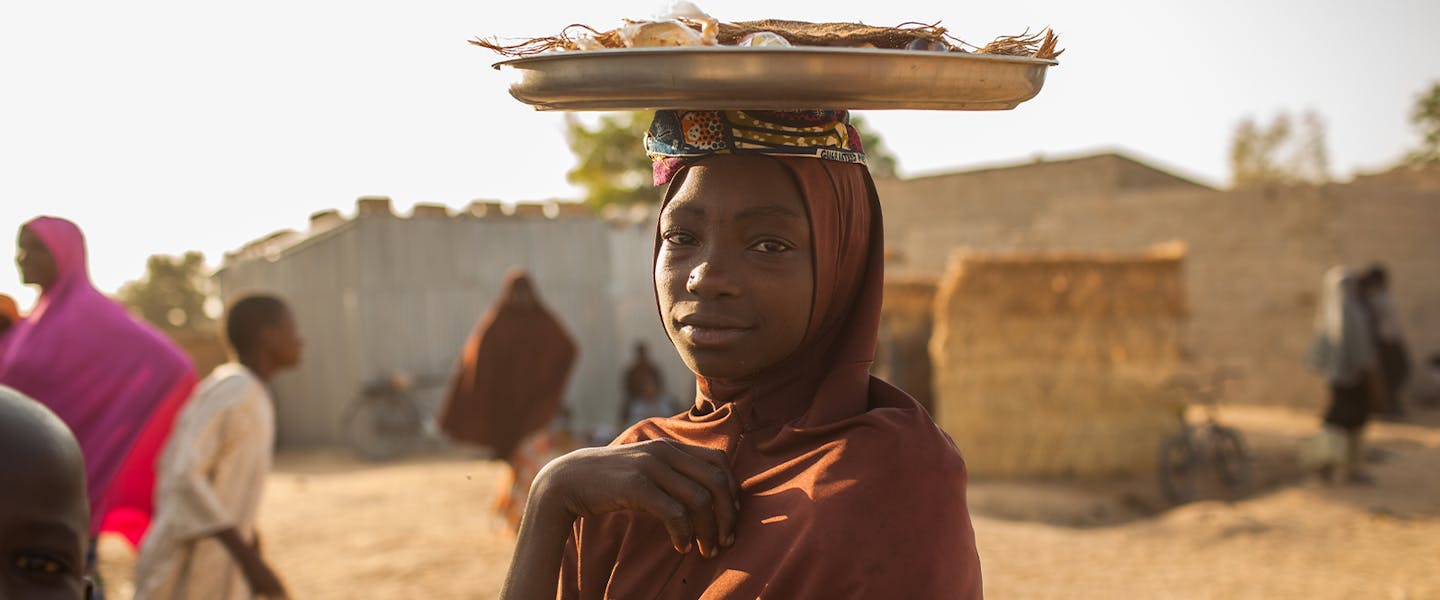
{"x": 213, "y": 470}
{"x": 1393, "y": 356}
{"x": 9, "y": 314}
{"x": 510, "y": 385}
{"x": 645, "y": 394}
{"x": 115, "y": 381}
{"x": 1343, "y": 351}
{"x": 532, "y": 454}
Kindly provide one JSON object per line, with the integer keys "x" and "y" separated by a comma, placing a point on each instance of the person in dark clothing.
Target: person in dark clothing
{"x": 645, "y": 394}
{"x": 1390, "y": 348}
{"x": 1344, "y": 353}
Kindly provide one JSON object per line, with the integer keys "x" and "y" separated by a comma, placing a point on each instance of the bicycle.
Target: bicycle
{"x": 1181, "y": 453}
{"x": 385, "y": 421}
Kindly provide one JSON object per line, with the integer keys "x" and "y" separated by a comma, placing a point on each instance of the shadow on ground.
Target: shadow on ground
{"x": 1404, "y": 460}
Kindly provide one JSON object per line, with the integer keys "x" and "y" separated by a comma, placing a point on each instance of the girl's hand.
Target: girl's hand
{"x": 688, "y": 488}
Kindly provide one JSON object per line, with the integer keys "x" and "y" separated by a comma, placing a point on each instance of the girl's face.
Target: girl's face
{"x": 734, "y": 274}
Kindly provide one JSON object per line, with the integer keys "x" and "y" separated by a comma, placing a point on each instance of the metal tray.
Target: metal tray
{"x": 722, "y": 77}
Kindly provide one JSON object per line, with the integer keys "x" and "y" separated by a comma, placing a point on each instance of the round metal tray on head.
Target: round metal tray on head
{"x": 794, "y": 78}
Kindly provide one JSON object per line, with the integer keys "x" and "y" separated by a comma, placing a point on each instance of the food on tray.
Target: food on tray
{"x": 763, "y": 39}
{"x": 686, "y": 25}
{"x": 658, "y": 34}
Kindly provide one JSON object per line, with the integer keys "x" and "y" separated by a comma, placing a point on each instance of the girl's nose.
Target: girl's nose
{"x": 707, "y": 280}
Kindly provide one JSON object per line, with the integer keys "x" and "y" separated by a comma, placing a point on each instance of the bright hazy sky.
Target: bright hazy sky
{"x": 165, "y": 125}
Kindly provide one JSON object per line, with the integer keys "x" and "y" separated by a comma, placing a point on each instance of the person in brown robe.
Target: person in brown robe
{"x": 796, "y": 474}
{"x": 512, "y": 373}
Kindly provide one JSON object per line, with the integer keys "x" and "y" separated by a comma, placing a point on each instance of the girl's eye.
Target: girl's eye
{"x": 679, "y": 238}
{"x": 770, "y": 246}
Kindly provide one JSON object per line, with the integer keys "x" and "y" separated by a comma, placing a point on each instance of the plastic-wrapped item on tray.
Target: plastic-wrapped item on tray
{"x": 926, "y": 45}
{"x": 588, "y": 42}
{"x": 763, "y": 39}
{"x": 684, "y": 10}
{"x": 659, "y": 34}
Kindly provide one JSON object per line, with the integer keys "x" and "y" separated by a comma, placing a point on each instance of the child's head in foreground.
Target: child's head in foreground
{"x": 44, "y": 514}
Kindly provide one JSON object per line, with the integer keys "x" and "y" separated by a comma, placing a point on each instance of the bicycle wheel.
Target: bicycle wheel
{"x": 1229, "y": 457}
{"x": 379, "y": 428}
{"x": 1175, "y": 467}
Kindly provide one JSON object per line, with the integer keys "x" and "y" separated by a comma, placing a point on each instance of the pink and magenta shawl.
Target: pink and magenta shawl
{"x": 115, "y": 381}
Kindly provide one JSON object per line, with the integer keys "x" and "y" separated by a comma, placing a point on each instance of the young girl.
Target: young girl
{"x": 795, "y": 474}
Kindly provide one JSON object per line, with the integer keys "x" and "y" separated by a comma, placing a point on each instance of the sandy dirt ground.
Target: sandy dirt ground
{"x": 422, "y": 528}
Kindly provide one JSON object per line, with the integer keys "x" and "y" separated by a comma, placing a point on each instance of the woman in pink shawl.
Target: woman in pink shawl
{"x": 115, "y": 381}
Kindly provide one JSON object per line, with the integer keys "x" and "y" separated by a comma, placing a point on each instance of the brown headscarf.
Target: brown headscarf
{"x": 512, "y": 371}
{"x": 848, "y": 489}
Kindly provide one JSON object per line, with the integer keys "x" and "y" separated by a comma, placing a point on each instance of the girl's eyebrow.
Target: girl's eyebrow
{"x": 768, "y": 211}
{"x": 689, "y": 209}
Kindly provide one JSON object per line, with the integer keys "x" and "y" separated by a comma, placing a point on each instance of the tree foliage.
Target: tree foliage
{"x": 612, "y": 168}
{"x": 878, "y": 157}
{"x": 1426, "y": 118}
{"x": 1281, "y": 152}
{"x": 173, "y": 293}
{"x": 611, "y": 165}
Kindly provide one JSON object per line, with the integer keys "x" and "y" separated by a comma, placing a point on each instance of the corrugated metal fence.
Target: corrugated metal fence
{"x": 381, "y": 294}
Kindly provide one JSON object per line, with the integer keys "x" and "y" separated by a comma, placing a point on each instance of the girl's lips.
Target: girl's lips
{"x": 712, "y": 336}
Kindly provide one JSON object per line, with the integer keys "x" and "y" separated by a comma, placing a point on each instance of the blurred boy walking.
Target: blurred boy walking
{"x": 212, "y": 473}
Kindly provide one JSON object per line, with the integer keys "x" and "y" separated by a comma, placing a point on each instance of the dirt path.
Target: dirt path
{"x": 422, "y": 529}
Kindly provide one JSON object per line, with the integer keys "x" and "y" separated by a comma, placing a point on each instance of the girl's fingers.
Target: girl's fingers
{"x": 716, "y": 480}
{"x": 689, "y": 489}
{"x": 699, "y": 503}
{"x": 671, "y": 513}
{"x": 716, "y": 459}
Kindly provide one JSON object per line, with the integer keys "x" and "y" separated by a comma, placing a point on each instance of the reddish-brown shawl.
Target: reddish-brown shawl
{"x": 848, "y": 488}
{"x": 512, "y": 373}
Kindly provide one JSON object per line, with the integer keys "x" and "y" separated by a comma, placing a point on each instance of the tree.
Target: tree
{"x": 173, "y": 293}
{"x": 1426, "y": 118}
{"x": 878, "y": 157}
{"x": 611, "y": 162}
{"x": 612, "y": 168}
{"x": 1280, "y": 153}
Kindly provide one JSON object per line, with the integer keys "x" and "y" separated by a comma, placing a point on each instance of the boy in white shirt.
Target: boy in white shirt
{"x": 202, "y": 543}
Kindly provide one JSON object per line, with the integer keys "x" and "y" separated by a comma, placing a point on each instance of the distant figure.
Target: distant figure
{"x": 44, "y": 515}
{"x": 510, "y": 383}
{"x": 114, "y": 380}
{"x": 1344, "y": 353}
{"x": 645, "y": 394}
{"x": 212, "y": 474}
{"x": 532, "y": 454}
{"x": 9, "y": 315}
{"x": 1389, "y": 341}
